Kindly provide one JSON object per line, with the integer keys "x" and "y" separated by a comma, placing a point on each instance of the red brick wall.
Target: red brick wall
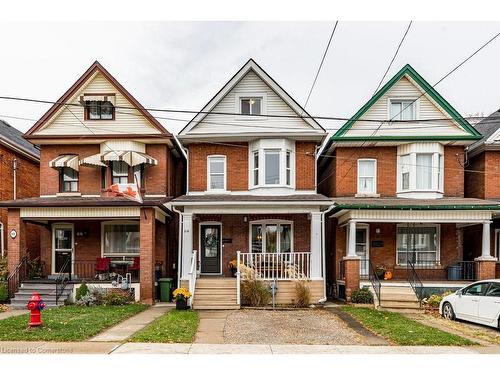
{"x": 475, "y": 181}
{"x": 339, "y": 173}
{"x": 305, "y": 166}
{"x": 492, "y": 177}
{"x": 236, "y": 164}
{"x": 454, "y": 171}
{"x": 234, "y": 228}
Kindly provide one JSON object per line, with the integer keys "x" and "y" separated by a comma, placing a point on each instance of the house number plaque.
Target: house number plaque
{"x": 13, "y": 233}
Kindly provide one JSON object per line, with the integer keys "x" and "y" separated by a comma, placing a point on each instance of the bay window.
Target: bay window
{"x": 120, "y": 239}
{"x": 216, "y": 173}
{"x": 271, "y": 164}
{"x": 367, "y": 176}
{"x": 272, "y": 167}
{"x": 271, "y": 237}
{"x": 256, "y": 167}
{"x": 424, "y": 171}
{"x": 418, "y": 244}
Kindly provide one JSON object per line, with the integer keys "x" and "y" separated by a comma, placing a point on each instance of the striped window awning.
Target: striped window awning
{"x": 70, "y": 161}
{"x": 132, "y": 158}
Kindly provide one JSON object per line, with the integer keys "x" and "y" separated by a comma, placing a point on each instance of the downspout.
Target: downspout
{"x": 323, "y": 251}
{"x": 1, "y": 240}
{"x": 14, "y": 167}
{"x": 179, "y": 244}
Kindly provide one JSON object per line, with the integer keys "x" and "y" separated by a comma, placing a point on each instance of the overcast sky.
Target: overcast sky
{"x": 182, "y": 65}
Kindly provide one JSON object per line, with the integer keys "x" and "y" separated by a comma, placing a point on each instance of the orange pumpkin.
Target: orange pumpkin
{"x": 387, "y": 275}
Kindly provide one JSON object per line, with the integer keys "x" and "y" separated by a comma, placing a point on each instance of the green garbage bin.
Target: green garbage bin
{"x": 165, "y": 286}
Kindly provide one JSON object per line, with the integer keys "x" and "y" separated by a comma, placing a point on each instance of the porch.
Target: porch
{"x": 124, "y": 246}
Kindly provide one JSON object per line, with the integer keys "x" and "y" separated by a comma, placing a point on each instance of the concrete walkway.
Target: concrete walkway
{"x": 211, "y": 326}
{"x": 127, "y": 328}
{"x": 10, "y": 313}
{"x": 22, "y": 347}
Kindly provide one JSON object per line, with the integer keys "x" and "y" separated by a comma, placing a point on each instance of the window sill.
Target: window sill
{"x": 222, "y": 191}
{"x": 364, "y": 195}
{"x": 69, "y": 194}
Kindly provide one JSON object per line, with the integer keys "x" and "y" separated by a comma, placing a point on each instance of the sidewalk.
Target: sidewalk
{"x": 127, "y": 328}
{"x": 22, "y": 347}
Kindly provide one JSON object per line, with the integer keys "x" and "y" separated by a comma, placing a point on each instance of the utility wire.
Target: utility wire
{"x": 393, "y": 58}
{"x": 319, "y": 68}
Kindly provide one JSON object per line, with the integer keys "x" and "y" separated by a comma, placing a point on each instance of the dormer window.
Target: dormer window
{"x": 100, "y": 110}
{"x": 402, "y": 109}
{"x": 251, "y": 106}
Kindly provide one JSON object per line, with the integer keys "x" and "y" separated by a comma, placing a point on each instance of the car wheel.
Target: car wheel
{"x": 448, "y": 312}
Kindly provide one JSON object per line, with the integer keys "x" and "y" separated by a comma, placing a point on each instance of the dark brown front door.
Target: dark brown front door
{"x": 210, "y": 248}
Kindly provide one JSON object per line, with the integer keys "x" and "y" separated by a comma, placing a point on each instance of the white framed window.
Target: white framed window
{"x": 271, "y": 236}
{"x": 367, "y": 176}
{"x": 424, "y": 171}
{"x": 255, "y": 174}
{"x": 216, "y": 170}
{"x": 405, "y": 172}
{"x": 120, "y": 238}
{"x": 119, "y": 172}
{"x": 69, "y": 180}
{"x": 251, "y": 105}
{"x": 272, "y": 167}
{"x": 288, "y": 166}
{"x": 418, "y": 243}
{"x": 402, "y": 109}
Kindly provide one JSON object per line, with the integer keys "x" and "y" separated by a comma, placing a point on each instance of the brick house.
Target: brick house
{"x": 395, "y": 171}
{"x": 251, "y": 192}
{"x": 98, "y": 135}
{"x": 19, "y": 170}
{"x": 482, "y": 180}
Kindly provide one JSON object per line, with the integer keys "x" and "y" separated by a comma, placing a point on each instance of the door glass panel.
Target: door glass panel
{"x": 256, "y": 238}
{"x": 63, "y": 239}
{"x": 211, "y": 242}
{"x": 285, "y": 238}
{"x": 271, "y": 238}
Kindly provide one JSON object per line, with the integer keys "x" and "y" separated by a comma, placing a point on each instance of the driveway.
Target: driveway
{"x": 307, "y": 327}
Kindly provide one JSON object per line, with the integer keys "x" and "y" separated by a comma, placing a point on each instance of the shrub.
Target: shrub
{"x": 4, "y": 292}
{"x": 86, "y": 300}
{"x": 3, "y": 269}
{"x": 302, "y": 294}
{"x": 115, "y": 297}
{"x": 81, "y": 291}
{"x": 363, "y": 295}
{"x": 434, "y": 300}
{"x": 254, "y": 293}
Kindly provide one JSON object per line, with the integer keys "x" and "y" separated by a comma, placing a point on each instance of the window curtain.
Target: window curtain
{"x": 424, "y": 171}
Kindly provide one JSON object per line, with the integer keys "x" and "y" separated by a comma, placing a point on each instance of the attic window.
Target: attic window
{"x": 99, "y": 110}
{"x": 402, "y": 110}
{"x": 251, "y": 106}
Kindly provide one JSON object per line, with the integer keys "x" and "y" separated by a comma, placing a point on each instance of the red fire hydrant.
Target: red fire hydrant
{"x": 35, "y": 305}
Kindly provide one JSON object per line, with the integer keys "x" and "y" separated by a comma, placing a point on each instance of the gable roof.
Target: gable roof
{"x": 95, "y": 67}
{"x": 249, "y": 66}
{"x": 490, "y": 130}
{"x": 13, "y": 138}
{"x": 428, "y": 90}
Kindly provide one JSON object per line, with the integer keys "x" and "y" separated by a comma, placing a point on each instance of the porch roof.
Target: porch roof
{"x": 79, "y": 201}
{"x": 414, "y": 204}
{"x": 246, "y": 199}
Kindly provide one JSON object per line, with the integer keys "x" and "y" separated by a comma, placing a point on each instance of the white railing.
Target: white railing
{"x": 238, "y": 278}
{"x": 193, "y": 274}
{"x": 277, "y": 266}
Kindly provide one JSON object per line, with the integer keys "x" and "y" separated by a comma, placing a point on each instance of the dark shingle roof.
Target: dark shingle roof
{"x": 14, "y": 137}
{"x": 487, "y": 127}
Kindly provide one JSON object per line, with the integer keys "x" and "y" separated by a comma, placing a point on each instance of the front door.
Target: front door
{"x": 210, "y": 243}
{"x": 62, "y": 247}
{"x": 362, "y": 250}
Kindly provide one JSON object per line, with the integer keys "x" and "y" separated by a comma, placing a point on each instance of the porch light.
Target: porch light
{"x": 377, "y": 230}
{"x": 245, "y": 219}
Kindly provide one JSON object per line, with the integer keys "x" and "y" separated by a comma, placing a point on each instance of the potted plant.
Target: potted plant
{"x": 380, "y": 271}
{"x": 181, "y": 296}
{"x": 233, "y": 266}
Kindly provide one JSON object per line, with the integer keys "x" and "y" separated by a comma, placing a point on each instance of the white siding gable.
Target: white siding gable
{"x": 127, "y": 121}
{"x": 425, "y": 106}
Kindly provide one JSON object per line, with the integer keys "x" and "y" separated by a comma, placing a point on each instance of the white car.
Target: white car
{"x": 478, "y": 302}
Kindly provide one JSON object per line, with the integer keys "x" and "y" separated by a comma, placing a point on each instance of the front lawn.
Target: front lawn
{"x": 401, "y": 330}
{"x": 176, "y": 326}
{"x": 67, "y": 323}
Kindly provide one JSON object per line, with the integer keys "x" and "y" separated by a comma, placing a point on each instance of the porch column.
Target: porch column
{"x": 351, "y": 262}
{"x": 147, "y": 252}
{"x": 485, "y": 264}
{"x": 16, "y": 246}
{"x": 187, "y": 244}
{"x": 316, "y": 245}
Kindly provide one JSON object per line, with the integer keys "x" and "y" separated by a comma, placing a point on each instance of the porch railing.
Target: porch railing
{"x": 17, "y": 275}
{"x": 193, "y": 274}
{"x": 278, "y": 266}
{"x": 467, "y": 270}
{"x": 342, "y": 269}
{"x": 62, "y": 278}
{"x": 372, "y": 276}
{"x": 414, "y": 280}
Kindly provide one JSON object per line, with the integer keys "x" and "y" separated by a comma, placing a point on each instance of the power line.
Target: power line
{"x": 393, "y": 58}
{"x": 320, "y": 66}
